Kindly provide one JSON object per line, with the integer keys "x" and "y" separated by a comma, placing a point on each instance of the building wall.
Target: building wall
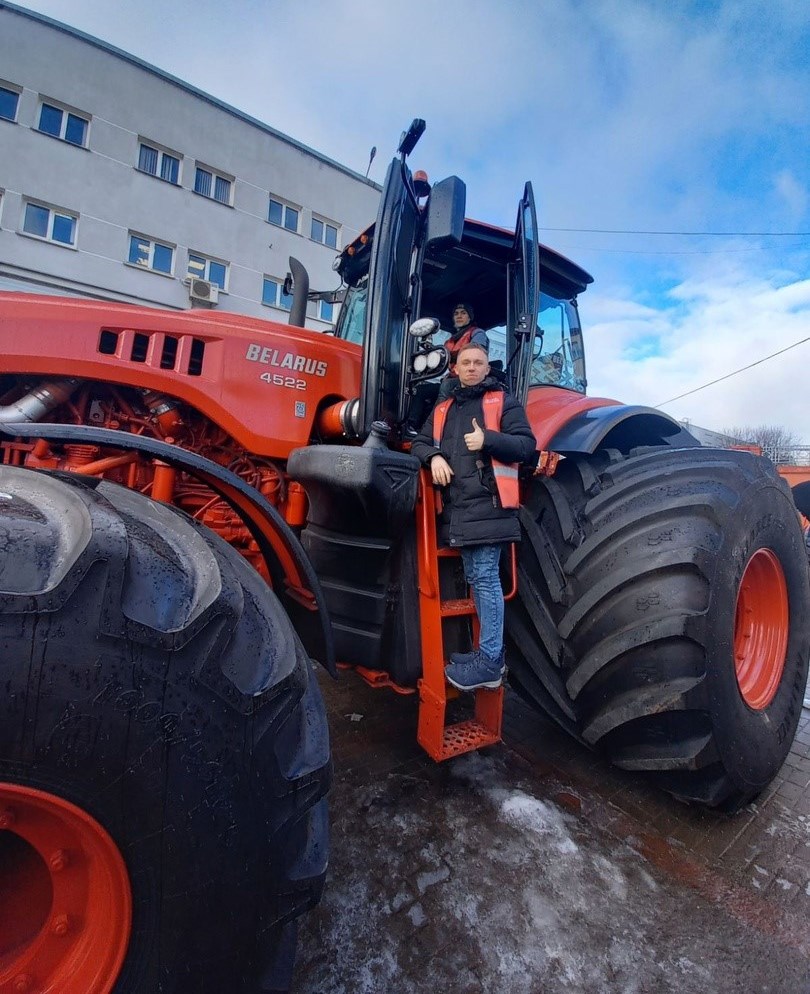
{"x": 128, "y": 102}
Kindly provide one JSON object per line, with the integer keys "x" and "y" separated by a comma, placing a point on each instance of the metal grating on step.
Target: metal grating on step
{"x": 466, "y": 736}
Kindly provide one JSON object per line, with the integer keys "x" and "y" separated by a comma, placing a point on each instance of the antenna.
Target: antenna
{"x": 371, "y": 155}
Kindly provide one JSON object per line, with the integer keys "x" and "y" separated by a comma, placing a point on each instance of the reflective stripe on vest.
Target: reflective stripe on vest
{"x": 439, "y": 418}
{"x": 506, "y": 474}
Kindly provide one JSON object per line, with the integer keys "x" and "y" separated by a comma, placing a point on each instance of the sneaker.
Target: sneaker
{"x": 481, "y": 672}
{"x": 465, "y": 658}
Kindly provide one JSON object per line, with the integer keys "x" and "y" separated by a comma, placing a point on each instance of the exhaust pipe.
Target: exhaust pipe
{"x": 36, "y": 404}
{"x": 300, "y": 280}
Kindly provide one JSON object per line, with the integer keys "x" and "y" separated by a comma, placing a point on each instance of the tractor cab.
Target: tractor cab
{"x": 523, "y": 294}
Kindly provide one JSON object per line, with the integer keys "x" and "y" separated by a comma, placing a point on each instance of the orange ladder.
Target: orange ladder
{"x": 440, "y": 740}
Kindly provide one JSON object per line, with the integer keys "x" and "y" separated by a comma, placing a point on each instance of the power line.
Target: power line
{"x": 616, "y": 251}
{"x": 728, "y": 375}
{"x": 689, "y": 234}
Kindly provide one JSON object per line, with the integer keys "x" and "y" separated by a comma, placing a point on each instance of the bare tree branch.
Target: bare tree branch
{"x": 777, "y": 443}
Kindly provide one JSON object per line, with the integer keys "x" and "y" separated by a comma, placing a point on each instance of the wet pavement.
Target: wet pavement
{"x": 534, "y": 866}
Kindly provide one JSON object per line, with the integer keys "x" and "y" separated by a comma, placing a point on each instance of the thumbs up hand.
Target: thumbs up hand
{"x": 474, "y": 440}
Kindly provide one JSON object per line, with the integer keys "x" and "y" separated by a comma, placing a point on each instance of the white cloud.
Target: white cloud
{"x": 723, "y": 322}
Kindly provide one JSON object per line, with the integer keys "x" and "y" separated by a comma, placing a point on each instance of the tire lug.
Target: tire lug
{"x": 61, "y": 925}
{"x": 7, "y": 817}
{"x": 58, "y": 860}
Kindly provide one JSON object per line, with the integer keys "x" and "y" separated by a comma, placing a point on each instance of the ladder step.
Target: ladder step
{"x": 465, "y": 736}
{"x": 453, "y": 608}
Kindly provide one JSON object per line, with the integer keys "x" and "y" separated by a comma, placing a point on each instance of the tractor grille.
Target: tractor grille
{"x": 182, "y": 353}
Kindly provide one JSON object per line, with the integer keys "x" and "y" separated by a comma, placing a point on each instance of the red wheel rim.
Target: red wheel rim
{"x": 761, "y": 629}
{"x": 66, "y": 913}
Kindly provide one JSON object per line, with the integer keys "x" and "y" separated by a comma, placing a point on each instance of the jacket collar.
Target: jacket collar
{"x": 469, "y": 393}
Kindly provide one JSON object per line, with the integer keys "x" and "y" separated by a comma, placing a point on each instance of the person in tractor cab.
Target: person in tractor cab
{"x": 473, "y": 443}
{"x": 464, "y": 332}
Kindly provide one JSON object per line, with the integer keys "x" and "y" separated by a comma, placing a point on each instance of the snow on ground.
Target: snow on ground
{"x": 466, "y": 878}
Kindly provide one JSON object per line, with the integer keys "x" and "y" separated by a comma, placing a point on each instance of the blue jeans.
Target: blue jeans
{"x": 481, "y": 571}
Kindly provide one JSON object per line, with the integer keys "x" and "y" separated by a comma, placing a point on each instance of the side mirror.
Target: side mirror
{"x": 446, "y": 207}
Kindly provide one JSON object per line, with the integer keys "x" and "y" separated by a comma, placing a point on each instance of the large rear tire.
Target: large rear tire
{"x": 663, "y": 615}
{"x": 163, "y": 748}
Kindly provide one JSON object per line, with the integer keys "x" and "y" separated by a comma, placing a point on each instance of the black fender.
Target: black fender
{"x": 294, "y": 580}
{"x": 620, "y": 427}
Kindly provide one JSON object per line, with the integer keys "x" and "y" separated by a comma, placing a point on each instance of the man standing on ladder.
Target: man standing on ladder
{"x": 475, "y": 469}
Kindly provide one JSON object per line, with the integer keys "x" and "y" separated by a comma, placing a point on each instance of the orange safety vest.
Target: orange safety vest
{"x": 506, "y": 474}
{"x": 455, "y": 347}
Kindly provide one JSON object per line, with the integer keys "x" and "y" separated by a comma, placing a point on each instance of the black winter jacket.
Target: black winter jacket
{"x": 472, "y": 512}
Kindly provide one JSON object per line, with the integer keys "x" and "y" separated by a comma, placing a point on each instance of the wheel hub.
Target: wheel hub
{"x": 761, "y": 629}
{"x": 65, "y": 917}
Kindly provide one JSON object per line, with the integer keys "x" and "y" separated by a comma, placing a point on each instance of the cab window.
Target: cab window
{"x": 558, "y": 355}
{"x": 352, "y": 321}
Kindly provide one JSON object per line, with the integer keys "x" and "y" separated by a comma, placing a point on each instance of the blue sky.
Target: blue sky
{"x": 628, "y": 115}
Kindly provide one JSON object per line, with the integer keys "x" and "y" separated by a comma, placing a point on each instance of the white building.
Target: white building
{"x": 120, "y": 182}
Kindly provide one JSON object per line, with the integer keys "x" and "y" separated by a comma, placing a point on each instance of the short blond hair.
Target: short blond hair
{"x": 472, "y": 345}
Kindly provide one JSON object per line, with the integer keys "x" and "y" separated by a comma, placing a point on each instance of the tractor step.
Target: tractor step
{"x": 457, "y": 608}
{"x": 441, "y": 741}
{"x": 466, "y": 736}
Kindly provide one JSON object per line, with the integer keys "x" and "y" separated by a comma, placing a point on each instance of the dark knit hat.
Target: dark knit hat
{"x": 467, "y": 307}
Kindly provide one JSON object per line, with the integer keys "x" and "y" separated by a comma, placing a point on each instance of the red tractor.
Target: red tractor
{"x": 193, "y": 506}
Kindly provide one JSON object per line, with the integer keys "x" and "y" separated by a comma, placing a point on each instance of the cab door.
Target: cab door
{"x": 523, "y": 300}
{"x": 390, "y": 301}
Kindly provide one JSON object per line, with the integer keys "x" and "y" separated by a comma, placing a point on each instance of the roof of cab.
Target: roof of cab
{"x": 474, "y": 270}
{"x": 482, "y": 246}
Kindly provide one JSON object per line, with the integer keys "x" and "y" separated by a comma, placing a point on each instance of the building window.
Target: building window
{"x": 63, "y": 124}
{"x": 210, "y": 184}
{"x": 158, "y": 163}
{"x": 324, "y": 232}
{"x": 273, "y": 293}
{"x": 202, "y": 268}
{"x": 9, "y": 100}
{"x": 149, "y": 254}
{"x": 283, "y": 215}
{"x": 50, "y": 223}
{"x": 325, "y": 310}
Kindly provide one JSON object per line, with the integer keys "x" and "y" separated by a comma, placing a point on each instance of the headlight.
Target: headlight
{"x": 423, "y": 327}
{"x": 420, "y": 362}
{"x": 434, "y": 359}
